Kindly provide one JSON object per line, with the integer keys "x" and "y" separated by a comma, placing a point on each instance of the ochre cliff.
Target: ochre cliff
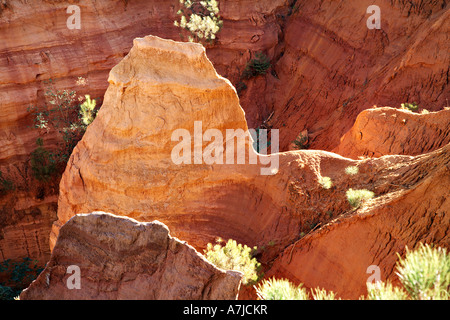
{"x": 36, "y": 46}
{"x": 124, "y": 165}
{"x": 384, "y": 131}
{"x": 328, "y": 67}
{"x": 413, "y": 206}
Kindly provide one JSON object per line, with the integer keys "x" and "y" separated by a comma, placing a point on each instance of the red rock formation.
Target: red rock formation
{"x": 414, "y": 208}
{"x": 121, "y": 259}
{"x": 328, "y": 67}
{"x": 36, "y": 46}
{"x": 383, "y": 131}
{"x": 123, "y": 165}
{"x": 26, "y": 227}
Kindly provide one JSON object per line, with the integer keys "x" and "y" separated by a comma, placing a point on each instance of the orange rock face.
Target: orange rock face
{"x": 37, "y": 46}
{"x": 413, "y": 207}
{"x": 127, "y": 151}
{"x": 328, "y": 67}
{"x": 121, "y": 259}
{"x": 26, "y": 226}
{"x": 384, "y": 131}
{"x": 124, "y": 164}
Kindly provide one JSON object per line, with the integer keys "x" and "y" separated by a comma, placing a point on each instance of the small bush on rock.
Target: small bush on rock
{"x": 257, "y": 66}
{"x": 201, "y": 19}
{"x": 234, "y": 256}
{"x": 356, "y": 197}
{"x": 424, "y": 274}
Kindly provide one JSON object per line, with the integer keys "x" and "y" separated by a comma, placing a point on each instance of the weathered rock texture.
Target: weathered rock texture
{"x": 120, "y": 258}
{"x": 126, "y": 152}
{"x": 26, "y": 225}
{"x": 328, "y": 66}
{"x": 123, "y": 165}
{"x": 414, "y": 207}
{"x": 383, "y": 131}
{"x": 37, "y": 46}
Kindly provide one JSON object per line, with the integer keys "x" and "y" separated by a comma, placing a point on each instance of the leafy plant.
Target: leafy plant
{"x": 356, "y": 197}
{"x": 283, "y": 289}
{"x": 257, "y": 66}
{"x": 322, "y": 294}
{"x": 410, "y": 106}
{"x": 42, "y": 162}
{"x": 21, "y": 274}
{"x": 234, "y": 256}
{"x": 425, "y": 273}
{"x": 351, "y": 170}
{"x": 302, "y": 142}
{"x": 87, "y": 111}
{"x": 280, "y": 289}
{"x": 5, "y": 184}
{"x": 325, "y": 182}
{"x": 201, "y": 19}
{"x": 65, "y": 115}
{"x": 385, "y": 291}
{"x": 6, "y": 293}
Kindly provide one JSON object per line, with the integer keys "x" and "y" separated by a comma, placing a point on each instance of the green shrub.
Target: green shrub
{"x": 5, "y": 184}
{"x": 201, "y": 19}
{"x": 87, "y": 111}
{"x": 42, "y": 162}
{"x": 21, "y": 274}
{"x": 425, "y": 273}
{"x": 325, "y": 182}
{"x": 302, "y": 142}
{"x": 356, "y": 197}
{"x": 410, "y": 106}
{"x": 322, "y": 294}
{"x": 283, "y": 289}
{"x": 257, "y": 66}
{"x": 280, "y": 289}
{"x": 351, "y": 170}
{"x": 234, "y": 256}
{"x": 385, "y": 291}
{"x": 64, "y": 114}
{"x": 6, "y": 293}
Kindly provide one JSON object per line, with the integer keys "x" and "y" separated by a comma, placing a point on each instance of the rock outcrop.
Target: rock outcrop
{"x": 413, "y": 206}
{"x": 328, "y": 67}
{"x": 388, "y": 131}
{"x": 37, "y": 47}
{"x": 121, "y": 259}
{"x": 124, "y": 164}
{"x": 26, "y": 225}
